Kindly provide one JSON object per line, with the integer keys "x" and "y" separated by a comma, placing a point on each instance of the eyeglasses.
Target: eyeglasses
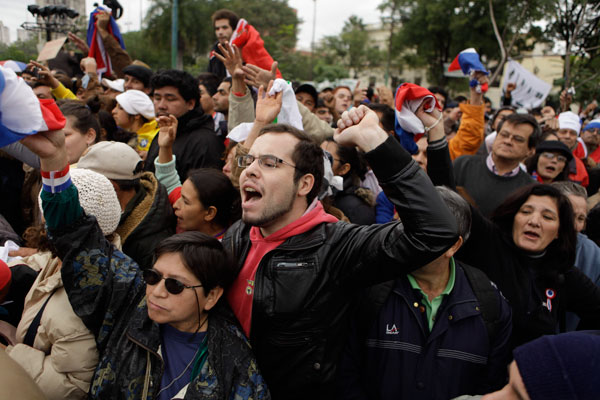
{"x": 267, "y": 161}
{"x": 551, "y": 156}
{"x": 517, "y": 139}
{"x": 152, "y": 277}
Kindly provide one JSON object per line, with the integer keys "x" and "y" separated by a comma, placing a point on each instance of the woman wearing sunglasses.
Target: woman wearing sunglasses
{"x": 550, "y": 162}
{"x": 162, "y": 333}
{"x": 207, "y": 201}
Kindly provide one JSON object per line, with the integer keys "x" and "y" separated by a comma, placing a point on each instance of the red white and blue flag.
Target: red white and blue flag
{"x": 468, "y": 62}
{"x": 408, "y": 127}
{"x": 21, "y": 112}
{"x": 96, "y": 45}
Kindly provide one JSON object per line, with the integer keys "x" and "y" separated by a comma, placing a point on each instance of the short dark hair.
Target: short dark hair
{"x": 388, "y": 116}
{"x": 215, "y": 189}
{"x": 459, "y": 207}
{"x": 203, "y": 255}
{"x": 307, "y": 156}
{"x": 226, "y": 14}
{"x": 562, "y": 248}
{"x": 183, "y": 81}
{"x": 498, "y": 111}
{"x": 522, "y": 119}
{"x": 210, "y": 81}
{"x": 84, "y": 116}
{"x": 440, "y": 90}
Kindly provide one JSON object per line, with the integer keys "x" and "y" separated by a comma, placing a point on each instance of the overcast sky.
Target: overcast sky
{"x": 330, "y": 16}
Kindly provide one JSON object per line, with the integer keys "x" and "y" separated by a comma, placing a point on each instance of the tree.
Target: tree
{"x": 19, "y": 51}
{"x": 577, "y": 23}
{"x": 351, "y": 48}
{"x": 437, "y": 30}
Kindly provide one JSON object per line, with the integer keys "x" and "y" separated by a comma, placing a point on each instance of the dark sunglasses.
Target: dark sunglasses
{"x": 152, "y": 277}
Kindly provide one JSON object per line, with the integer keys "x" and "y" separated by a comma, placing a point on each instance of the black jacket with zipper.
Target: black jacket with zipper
{"x": 304, "y": 289}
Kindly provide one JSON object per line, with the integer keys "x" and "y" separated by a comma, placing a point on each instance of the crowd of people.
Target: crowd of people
{"x": 235, "y": 235}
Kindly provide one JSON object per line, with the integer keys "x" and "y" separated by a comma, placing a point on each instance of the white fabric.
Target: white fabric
{"x": 240, "y": 132}
{"x": 20, "y": 107}
{"x": 9, "y": 245}
{"x": 406, "y": 116}
{"x": 569, "y": 120}
{"x": 289, "y": 113}
{"x": 117, "y": 84}
{"x": 136, "y": 102}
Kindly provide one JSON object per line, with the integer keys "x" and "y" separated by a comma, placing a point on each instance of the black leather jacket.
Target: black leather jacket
{"x": 304, "y": 289}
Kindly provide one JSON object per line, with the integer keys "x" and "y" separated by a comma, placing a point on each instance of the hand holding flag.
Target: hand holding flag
{"x": 469, "y": 63}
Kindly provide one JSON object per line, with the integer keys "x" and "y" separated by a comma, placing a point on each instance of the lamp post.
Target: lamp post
{"x": 174, "y": 28}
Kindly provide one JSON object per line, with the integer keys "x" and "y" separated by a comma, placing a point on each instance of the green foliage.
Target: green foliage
{"x": 437, "y": 30}
{"x": 19, "y": 50}
{"x": 350, "y": 49}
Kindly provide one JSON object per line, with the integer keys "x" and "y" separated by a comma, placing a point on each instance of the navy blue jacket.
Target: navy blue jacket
{"x": 396, "y": 357}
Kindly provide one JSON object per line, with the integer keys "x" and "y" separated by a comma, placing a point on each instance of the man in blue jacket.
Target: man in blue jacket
{"x": 439, "y": 332}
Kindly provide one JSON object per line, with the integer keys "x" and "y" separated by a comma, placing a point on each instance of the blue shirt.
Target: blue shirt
{"x": 178, "y": 351}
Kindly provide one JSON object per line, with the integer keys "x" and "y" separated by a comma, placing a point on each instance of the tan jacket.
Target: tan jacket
{"x": 64, "y": 356}
{"x": 241, "y": 109}
{"x": 15, "y": 382}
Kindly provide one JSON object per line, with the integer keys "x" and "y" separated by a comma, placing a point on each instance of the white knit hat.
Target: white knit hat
{"x": 136, "y": 102}
{"x": 97, "y": 197}
{"x": 569, "y": 120}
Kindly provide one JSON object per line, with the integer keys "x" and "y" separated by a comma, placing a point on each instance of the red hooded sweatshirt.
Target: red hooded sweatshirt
{"x": 241, "y": 293}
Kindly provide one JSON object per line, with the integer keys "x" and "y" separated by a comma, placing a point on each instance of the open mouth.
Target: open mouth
{"x": 531, "y": 235}
{"x": 550, "y": 169}
{"x": 250, "y": 195}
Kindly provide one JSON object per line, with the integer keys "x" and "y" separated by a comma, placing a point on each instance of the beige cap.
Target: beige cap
{"x": 114, "y": 160}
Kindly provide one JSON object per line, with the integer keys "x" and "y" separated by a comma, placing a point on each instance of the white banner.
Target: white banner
{"x": 531, "y": 91}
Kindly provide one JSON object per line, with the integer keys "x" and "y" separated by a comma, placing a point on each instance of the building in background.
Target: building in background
{"x": 4, "y": 34}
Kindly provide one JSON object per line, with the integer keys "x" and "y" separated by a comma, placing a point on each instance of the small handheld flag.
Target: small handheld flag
{"x": 468, "y": 62}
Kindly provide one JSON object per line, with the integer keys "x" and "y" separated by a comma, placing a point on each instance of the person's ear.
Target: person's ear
{"x": 210, "y": 213}
{"x": 305, "y": 184}
{"x": 452, "y": 250}
{"x": 212, "y": 297}
{"x": 190, "y": 104}
{"x": 344, "y": 169}
{"x": 90, "y": 136}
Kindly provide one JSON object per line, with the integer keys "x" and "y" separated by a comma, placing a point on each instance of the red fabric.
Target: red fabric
{"x": 253, "y": 49}
{"x": 595, "y": 155}
{"x": 53, "y": 117}
{"x": 410, "y": 91}
{"x": 5, "y": 277}
{"x": 241, "y": 293}
{"x": 102, "y": 60}
{"x": 581, "y": 177}
{"x": 174, "y": 195}
{"x": 579, "y": 151}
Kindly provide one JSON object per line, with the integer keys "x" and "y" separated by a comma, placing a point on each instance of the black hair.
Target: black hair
{"x": 85, "y": 116}
{"x": 210, "y": 81}
{"x": 521, "y": 119}
{"x": 562, "y": 248}
{"x": 358, "y": 165}
{"x": 439, "y": 90}
{"x": 185, "y": 83}
{"x": 532, "y": 162}
{"x": 307, "y": 156}
{"x": 226, "y": 14}
{"x": 460, "y": 99}
{"x": 215, "y": 189}
{"x": 497, "y": 113}
{"x": 202, "y": 255}
{"x": 388, "y": 116}
{"x": 107, "y": 122}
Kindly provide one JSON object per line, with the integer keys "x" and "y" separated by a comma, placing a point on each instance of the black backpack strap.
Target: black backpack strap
{"x": 489, "y": 300}
{"x": 35, "y": 324}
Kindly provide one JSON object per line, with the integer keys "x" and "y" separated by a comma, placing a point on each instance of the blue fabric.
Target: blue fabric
{"x": 115, "y": 29}
{"x": 400, "y": 359}
{"x": 587, "y": 259}
{"x": 178, "y": 350}
{"x": 384, "y": 209}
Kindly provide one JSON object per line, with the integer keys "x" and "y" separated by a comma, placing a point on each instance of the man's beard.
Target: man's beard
{"x": 271, "y": 214}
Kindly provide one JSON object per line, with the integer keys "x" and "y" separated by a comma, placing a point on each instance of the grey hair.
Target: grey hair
{"x": 567, "y": 188}
{"x": 459, "y": 208}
